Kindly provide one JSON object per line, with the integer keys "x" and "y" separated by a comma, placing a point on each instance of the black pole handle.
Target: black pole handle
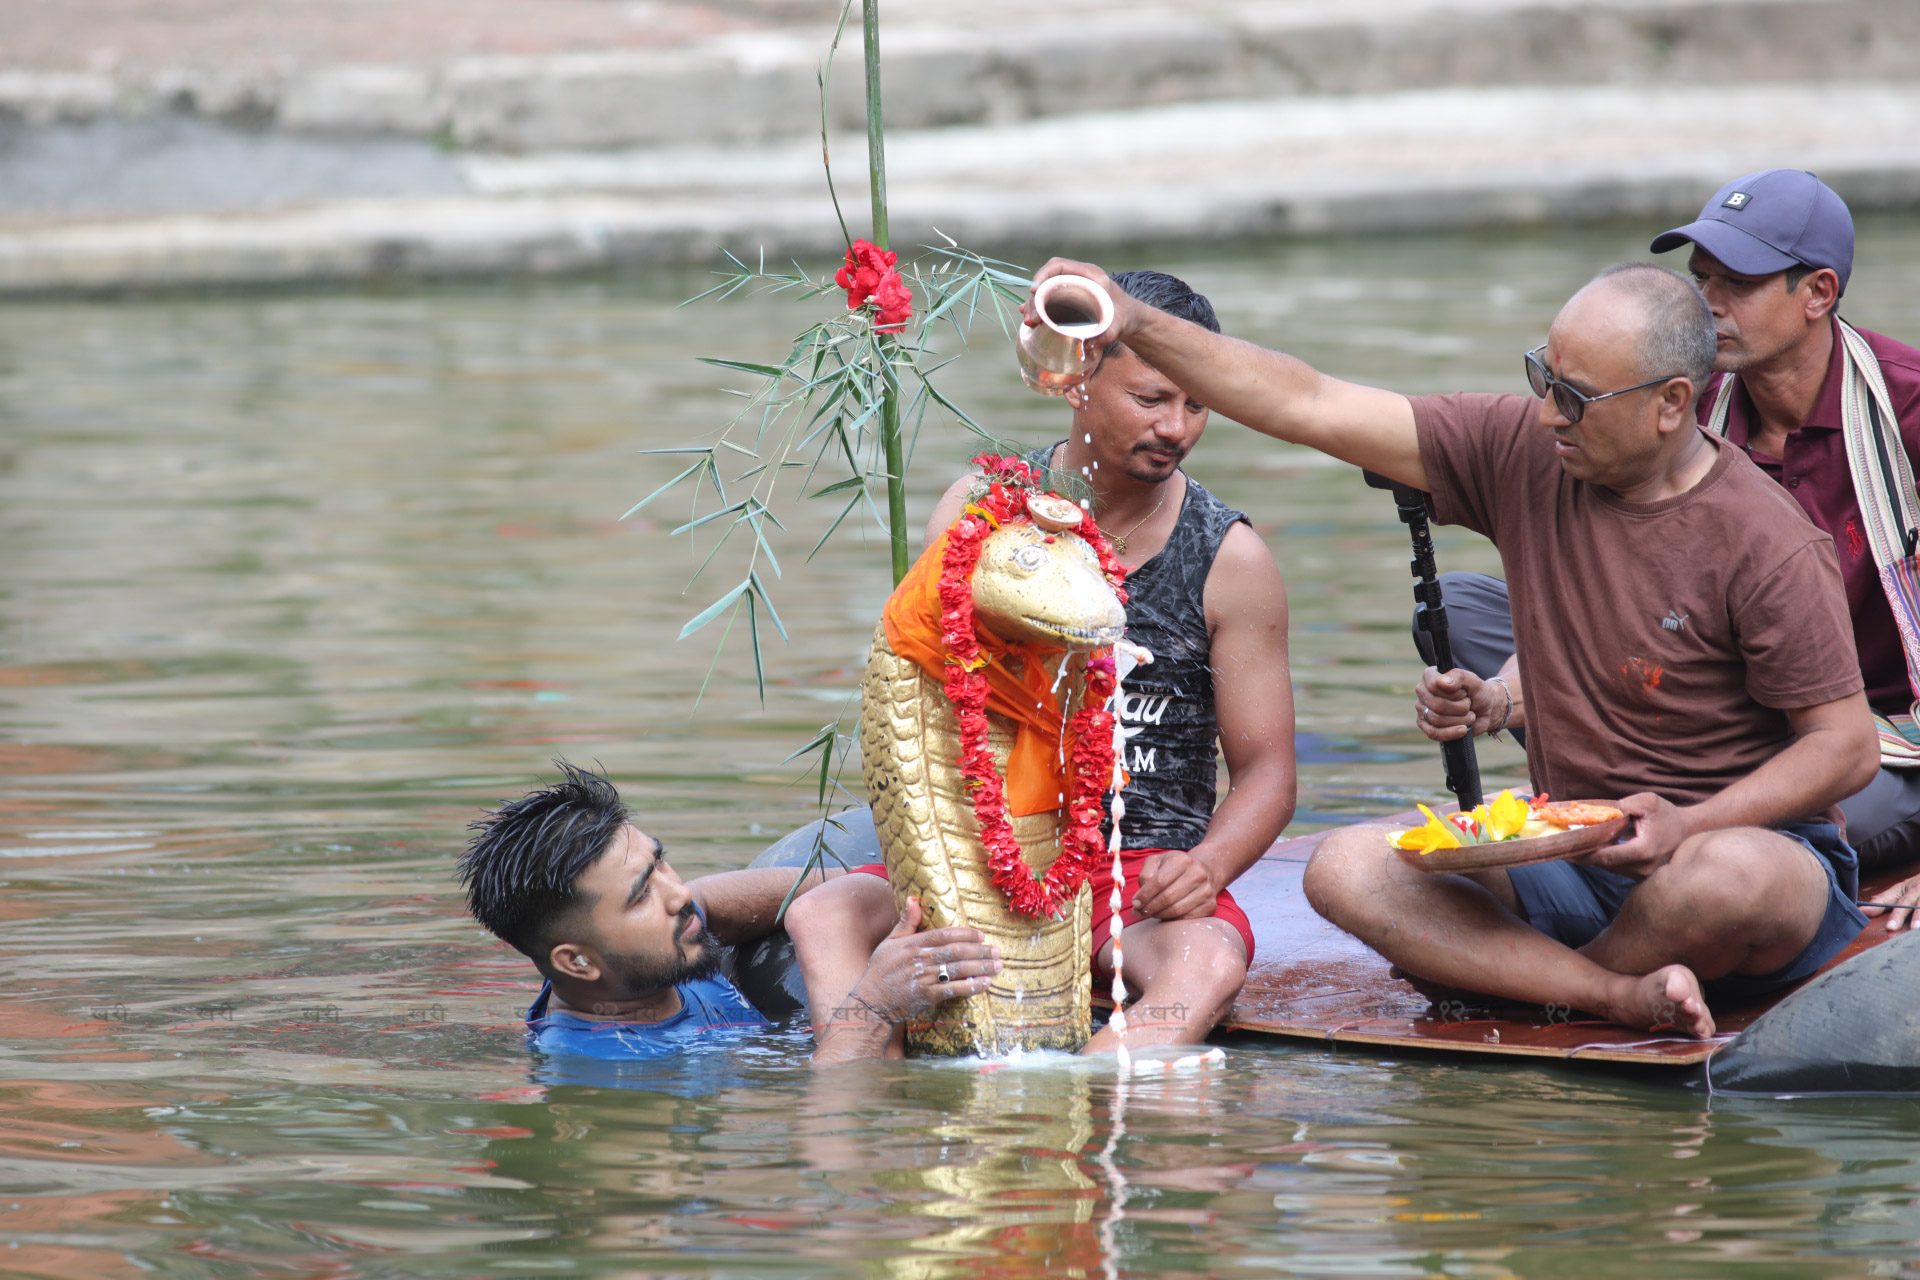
{"x": 1430, "y": 613}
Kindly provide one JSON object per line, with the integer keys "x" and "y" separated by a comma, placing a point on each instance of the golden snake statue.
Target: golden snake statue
{"x": 1034, "y": 585}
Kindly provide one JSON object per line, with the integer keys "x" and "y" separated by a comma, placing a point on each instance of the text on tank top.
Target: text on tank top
{"x": 1166, "y": 708}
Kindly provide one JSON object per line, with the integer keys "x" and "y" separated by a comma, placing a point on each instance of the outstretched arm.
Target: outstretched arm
{"x": 1273, "y": 393}
{"x": 1246, "y": 604}
{"x": 744, "y": 906}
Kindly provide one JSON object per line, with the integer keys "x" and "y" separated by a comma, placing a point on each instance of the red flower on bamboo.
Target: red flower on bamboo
{"x": 869, "y": 275}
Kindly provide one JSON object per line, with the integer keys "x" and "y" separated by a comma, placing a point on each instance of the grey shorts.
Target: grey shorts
{"x": 1572, "y": 904}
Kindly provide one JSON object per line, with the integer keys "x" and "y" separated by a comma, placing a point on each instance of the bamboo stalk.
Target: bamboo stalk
{"x": 890, "y": 392}
{"x": 876, "y": 134}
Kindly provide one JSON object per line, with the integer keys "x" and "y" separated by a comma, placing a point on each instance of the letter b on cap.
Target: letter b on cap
{"x": 1738, "y": 200}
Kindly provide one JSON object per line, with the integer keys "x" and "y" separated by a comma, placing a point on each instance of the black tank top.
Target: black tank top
{"x": 1166, "y": 708}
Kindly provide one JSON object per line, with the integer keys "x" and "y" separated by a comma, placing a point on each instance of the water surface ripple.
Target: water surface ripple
{"x": 294, "y": 585}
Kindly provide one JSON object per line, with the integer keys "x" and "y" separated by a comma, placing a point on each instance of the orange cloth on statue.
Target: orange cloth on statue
{"x": 1020, "y": 690}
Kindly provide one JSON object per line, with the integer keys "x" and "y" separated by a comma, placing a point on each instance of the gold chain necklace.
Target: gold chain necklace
{"x": 1119, "y": 540}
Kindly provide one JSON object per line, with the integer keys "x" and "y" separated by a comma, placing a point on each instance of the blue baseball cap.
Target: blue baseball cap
{"x": 1769, "y": 221}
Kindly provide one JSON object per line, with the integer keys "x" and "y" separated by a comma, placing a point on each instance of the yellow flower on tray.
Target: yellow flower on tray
{"x": 1437, "y": 834}
{"x": 1506, "y": 816}
{"x": 1500, "y": 820}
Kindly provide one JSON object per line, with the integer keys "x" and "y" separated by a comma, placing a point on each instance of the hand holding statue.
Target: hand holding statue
{"x": 911, "y": 971}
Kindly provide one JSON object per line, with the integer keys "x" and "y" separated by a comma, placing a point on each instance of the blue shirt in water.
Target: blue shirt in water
{"x": 707, "y": 1005}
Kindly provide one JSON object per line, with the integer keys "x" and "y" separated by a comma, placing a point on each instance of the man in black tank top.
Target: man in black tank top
{"x": 1207, "y": 599}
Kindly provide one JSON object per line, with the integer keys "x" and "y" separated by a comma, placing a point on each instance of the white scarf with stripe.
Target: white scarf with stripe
{"x": 1883, "y": 483}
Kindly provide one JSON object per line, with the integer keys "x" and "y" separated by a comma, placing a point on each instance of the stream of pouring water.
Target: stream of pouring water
{"x": 1126, "y": 656}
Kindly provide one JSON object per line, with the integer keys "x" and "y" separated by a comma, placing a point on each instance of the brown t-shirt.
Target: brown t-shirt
{"x": 1660, "y": 643}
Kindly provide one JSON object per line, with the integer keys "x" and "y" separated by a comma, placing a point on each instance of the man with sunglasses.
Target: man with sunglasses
{"x": 1772, "y": 252}
{"x": 1686, "y": 636}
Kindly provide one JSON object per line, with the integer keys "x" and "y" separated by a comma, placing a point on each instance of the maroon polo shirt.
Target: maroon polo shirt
{"x": 1816, "y": 475}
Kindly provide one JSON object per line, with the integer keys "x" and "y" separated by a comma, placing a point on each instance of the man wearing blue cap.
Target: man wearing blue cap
{"x": 1831, "y": 412}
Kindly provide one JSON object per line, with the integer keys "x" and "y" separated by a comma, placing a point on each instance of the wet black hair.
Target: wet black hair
{"x": 523, "y": 865}
{"x": 1170, "y": 294}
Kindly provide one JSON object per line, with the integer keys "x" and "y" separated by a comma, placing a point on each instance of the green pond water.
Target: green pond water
{"x": 291, "y": 587}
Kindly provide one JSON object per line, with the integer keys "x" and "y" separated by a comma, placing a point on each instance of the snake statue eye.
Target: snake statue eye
{"x": 1030, "y": 557}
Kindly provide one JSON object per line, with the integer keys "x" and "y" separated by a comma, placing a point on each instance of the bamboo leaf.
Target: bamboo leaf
{"x": 726, "y": 287}
{"x": 710, "y": 517}
{"x": 761, "y": 536}
{"x": 824, "y": 735}
{"x": 718, "y": 545}
{"x": 753, "y": 634}
{"x": 713, "y": 665}
{"x": 965, "y": 418}
{"x": 715, "y": 609}
{"x": 837, "y": 519}
{"x": 668, "y": 485}
{"x": 753, "y": 577}
{"x": 744, "y": 366}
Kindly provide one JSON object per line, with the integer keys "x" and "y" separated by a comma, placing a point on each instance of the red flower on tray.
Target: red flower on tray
{"x": 868, "y": 275}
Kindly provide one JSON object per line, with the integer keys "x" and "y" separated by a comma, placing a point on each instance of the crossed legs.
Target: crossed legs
{"x": 1743, "y": 901}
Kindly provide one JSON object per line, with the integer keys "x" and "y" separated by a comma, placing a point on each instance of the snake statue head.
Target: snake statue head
{"x": 1041, "y": 586}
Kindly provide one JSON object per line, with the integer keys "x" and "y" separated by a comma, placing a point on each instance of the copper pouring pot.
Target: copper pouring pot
{"x": 1053, "y": 354}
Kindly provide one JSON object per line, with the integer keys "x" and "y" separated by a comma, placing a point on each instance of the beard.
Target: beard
{"x": 1150, "y": 471}
{"x": 699, "y": 958}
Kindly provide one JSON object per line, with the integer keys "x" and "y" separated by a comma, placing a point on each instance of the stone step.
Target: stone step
{"x": 1418, "y": 160}
{"x": 683, "y": 74}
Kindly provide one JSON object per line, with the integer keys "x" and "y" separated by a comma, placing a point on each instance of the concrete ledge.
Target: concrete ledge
{"x": 1400, "y": 162}
{"x": 962, "y": 68}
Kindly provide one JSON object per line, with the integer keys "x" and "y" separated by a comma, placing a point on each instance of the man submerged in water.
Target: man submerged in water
{"x": 631, "y": 954}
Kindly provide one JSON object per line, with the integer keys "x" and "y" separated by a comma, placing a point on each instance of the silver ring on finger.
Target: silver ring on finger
{"x": 941, "y": 975}
{"x": 1423, "y": 713}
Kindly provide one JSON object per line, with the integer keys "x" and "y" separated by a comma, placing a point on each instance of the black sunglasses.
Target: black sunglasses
{"x": 1573, "y": 404}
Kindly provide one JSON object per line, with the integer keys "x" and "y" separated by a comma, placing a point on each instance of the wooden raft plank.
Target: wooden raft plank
{"x": 1309, "y": 981}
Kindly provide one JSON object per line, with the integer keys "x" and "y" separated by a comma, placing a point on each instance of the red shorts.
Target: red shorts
{"x": 1131, "y": 860}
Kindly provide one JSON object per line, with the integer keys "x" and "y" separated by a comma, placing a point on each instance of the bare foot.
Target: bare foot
{"x": 1668, "y": 998}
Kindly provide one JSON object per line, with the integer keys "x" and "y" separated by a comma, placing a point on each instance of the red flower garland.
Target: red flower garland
{"x": 1009, "y": 481}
